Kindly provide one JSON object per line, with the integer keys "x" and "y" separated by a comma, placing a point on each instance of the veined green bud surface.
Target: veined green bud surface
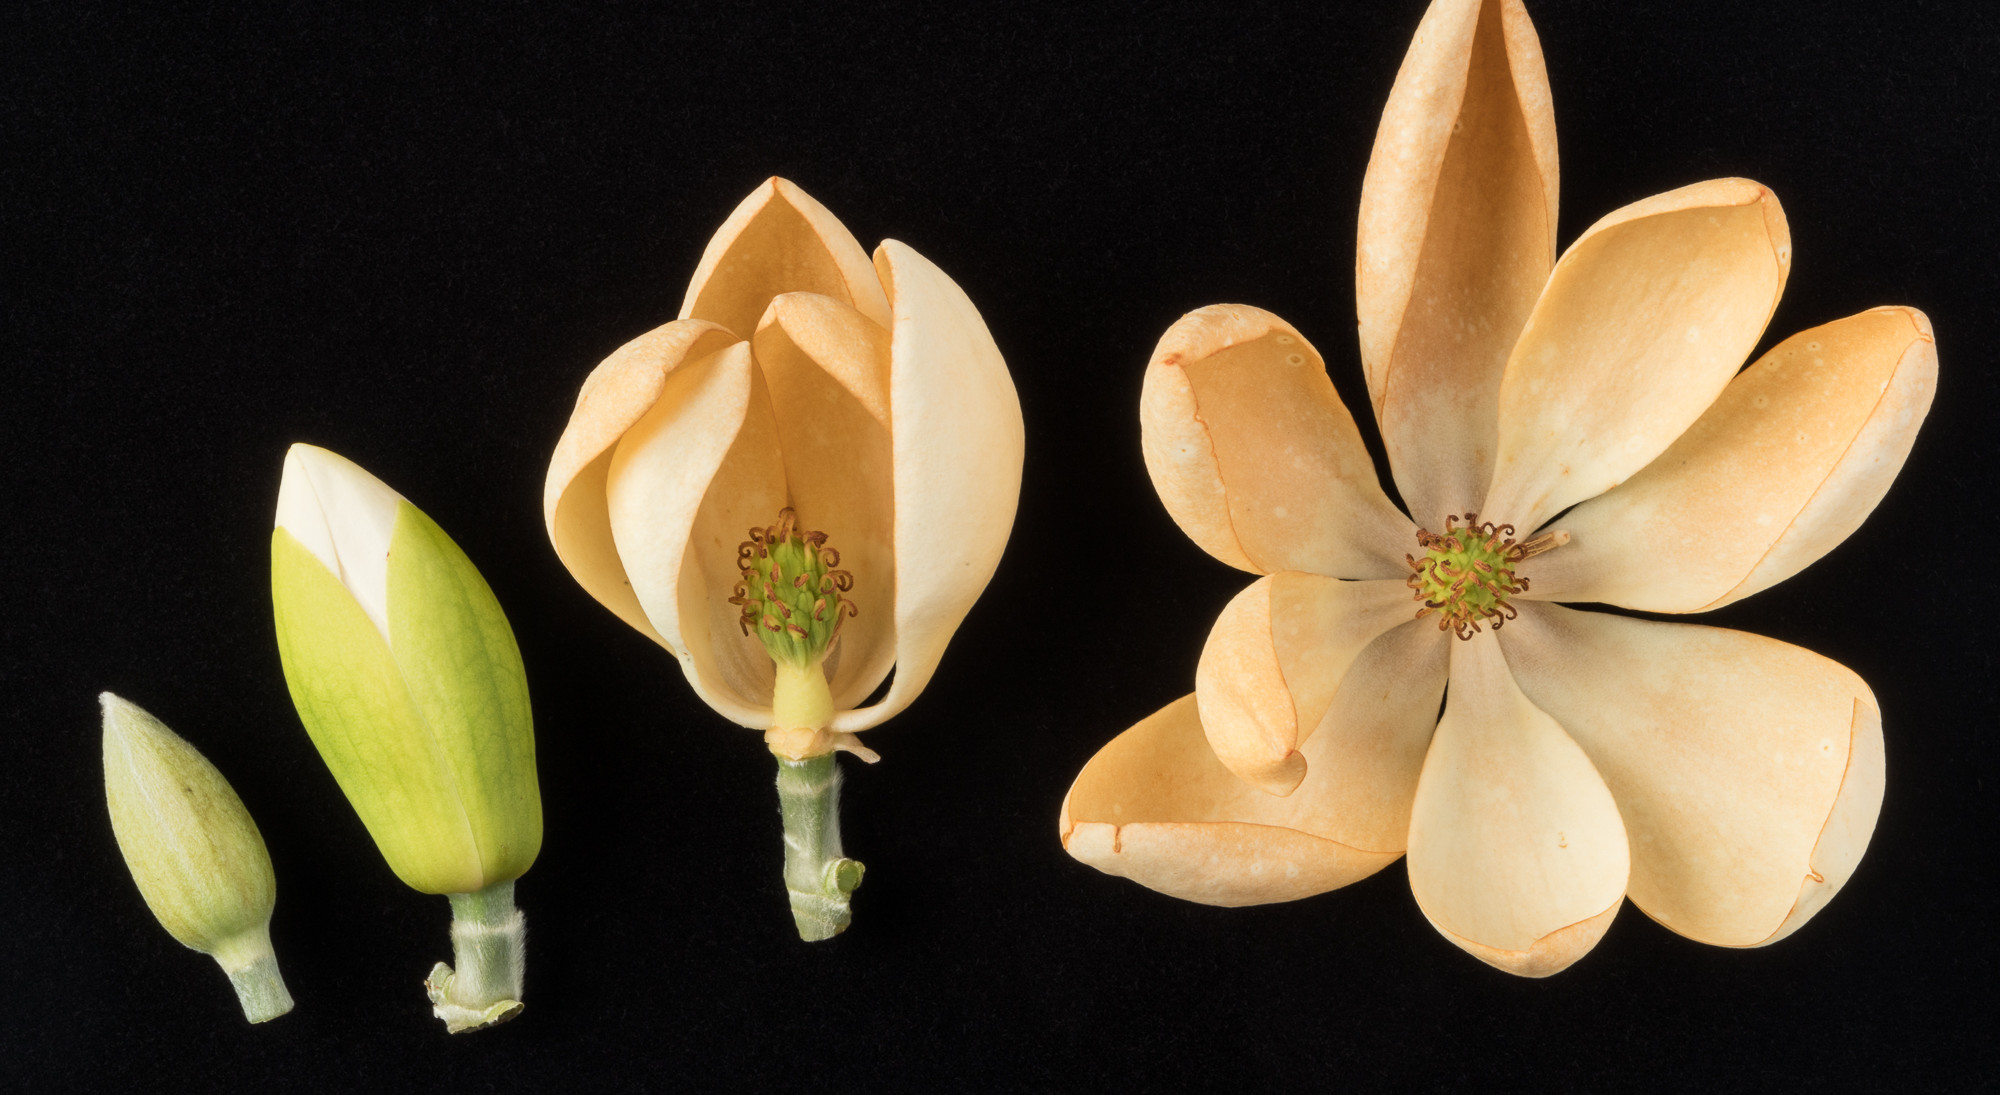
{"x": 792, "y": 592}
{"x": 407, "y": 677}
{"x": 191, "y": 846}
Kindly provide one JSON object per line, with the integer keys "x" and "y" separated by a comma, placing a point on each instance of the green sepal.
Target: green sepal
{"x": 431, "y": 742}
{"x": 463, "y": 667}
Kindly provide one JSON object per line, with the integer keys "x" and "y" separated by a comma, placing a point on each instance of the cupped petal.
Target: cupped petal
{"x": 1643, "y": 322}
{"x": 685, "y": 485}
{"x": 956, "y": 446}
{"x": 615, "y": 396}
{"x": 1274, "y": 660}
{"x": 1749, "y": 772}
{"x": 827, "y": 369}
{"x": 1456, "y": 239}
{"x": 1517, "y": 852}
{"x": 1157, "y": 807}
{"x": 1256, "y": 457}
{"x": 1788, "y": 462}
{"x": 779, "y": 240}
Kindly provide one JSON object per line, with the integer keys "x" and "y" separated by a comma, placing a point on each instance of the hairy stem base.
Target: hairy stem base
{"x": 818, "y": 879}
{"x": 489, "y": 946}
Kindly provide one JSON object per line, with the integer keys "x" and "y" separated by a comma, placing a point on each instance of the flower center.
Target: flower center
{"x": 1467, "y": 574}
{"x": 791, "y": 592}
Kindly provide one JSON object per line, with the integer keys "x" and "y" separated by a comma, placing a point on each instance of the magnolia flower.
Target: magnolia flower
{"x": 406, "y": 675}
{"x": 803, "y": 481}
{"x": 199, "y": 860}
{"x": 1570, "y": 429}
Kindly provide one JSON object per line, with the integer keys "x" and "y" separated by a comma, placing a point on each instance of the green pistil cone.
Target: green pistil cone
{"x": 791, "y": 591}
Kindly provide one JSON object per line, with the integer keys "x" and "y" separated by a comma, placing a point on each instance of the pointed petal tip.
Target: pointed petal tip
{"x": 1549, "y": 955}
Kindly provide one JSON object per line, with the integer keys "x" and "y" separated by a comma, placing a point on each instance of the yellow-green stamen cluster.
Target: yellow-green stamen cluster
{"x": 1467, "y": 574}
{"x": 791, "y": 590}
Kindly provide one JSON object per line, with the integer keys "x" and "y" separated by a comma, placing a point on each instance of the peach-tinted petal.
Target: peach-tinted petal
{"x": 1644, "y": 320}
{"x": 827, "y": 368}
{"x": 1156, "y": 806}
{"x": 1274, "y": 660}
{"x": 1749, "y": 772}
{"x": 685, "y": 485}
{"x": 956, "y": 442}
{"x": 1256, "y": 457}
{"x": 779, "y": 240}
{"x": 1517, "y": 853}
{"x": 1457, "y": 236}
{"x": 1790, "y": 459}
{"x": 615, "y": 396}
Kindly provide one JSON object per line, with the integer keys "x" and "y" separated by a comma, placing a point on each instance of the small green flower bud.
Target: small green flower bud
{"x": 191, "y": 846}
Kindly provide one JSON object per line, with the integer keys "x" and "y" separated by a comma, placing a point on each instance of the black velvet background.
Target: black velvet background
{"x": 410, "y": 239}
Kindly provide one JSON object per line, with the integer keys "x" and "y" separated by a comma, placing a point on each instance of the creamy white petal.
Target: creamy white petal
{"x": 1156, "y": 806}
{"x": 1456, "y": 239}
{"x": 1256, "y": 457}
{"x": 1274, "y": 660}
{"x": 1517, "y": 852}
{"x": 1789, "y": 461}
{"x": 779, "y": 240}
{"x": 615, "y": 396}
{"x": 1643, "y": 322}
{"x": 685, "y": 485}
{"x": 346, "y": 518}
{"x": 1748, "y": 771}
{"x": 827, "y": 368}
{"x": 957, "y": 445}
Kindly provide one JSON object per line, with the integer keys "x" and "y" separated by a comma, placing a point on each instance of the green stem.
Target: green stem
{"x": 489, "y": 944}
{"x": 253, "y": 972}
{"x": 817, "y": 878}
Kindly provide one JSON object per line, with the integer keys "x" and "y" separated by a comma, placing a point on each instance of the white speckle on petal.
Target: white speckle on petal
{"x": 1693, "y": 335}
{"x": 1279, "y": 511}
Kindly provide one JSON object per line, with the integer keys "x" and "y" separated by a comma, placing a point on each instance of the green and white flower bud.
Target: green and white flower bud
{"x": 197, "y": 857}
{"x": 407, "y": 677}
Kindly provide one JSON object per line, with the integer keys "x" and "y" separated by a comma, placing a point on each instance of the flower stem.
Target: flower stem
{"x": 817, "y": 878}
{"x": 489, "y": 944}
{"x": 253, "y": 972}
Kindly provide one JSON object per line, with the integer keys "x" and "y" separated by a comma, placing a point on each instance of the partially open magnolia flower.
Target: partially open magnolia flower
{"x": 1570, "y": 429}
{"x": 803, "y": 481}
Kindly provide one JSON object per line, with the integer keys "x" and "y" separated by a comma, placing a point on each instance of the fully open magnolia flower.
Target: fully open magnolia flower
{"x": 803, "y": 481}
{"x": 1570, "y": 429}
